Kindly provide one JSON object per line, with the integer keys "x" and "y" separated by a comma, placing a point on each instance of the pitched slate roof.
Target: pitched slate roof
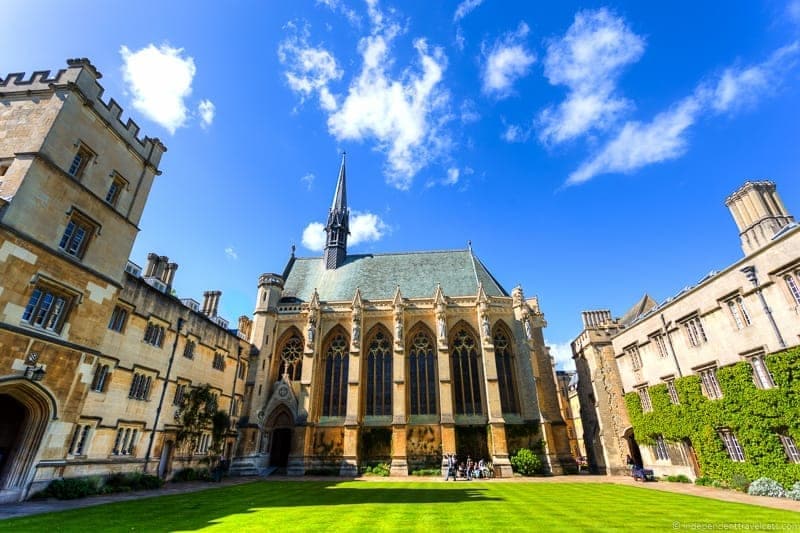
{"x": 378, "y": 275}
{"x": 641, "y": 307}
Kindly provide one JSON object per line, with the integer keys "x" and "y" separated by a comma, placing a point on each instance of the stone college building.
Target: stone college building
{"x": 348, "y": 360}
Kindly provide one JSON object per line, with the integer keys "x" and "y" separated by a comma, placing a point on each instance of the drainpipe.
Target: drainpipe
{"x": 671, "y": 347}
{"x": 163, "y": 393}
{"x": 750, "y": 272}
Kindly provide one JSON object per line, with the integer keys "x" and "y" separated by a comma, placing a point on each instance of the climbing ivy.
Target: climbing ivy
{"x": 754, "y": 415}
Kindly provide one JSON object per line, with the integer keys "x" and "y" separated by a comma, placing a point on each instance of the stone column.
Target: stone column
{"x": 351, "y": 427}
{"x": 303, "y": 438}
{"x": 399, "y": 465}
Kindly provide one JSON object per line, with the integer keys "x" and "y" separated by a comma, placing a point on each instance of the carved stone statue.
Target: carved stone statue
{"x": 356, "y": 331}
{"x": 398, "y": 328}
{"x": 441, "y": 326}
{"x": 526, "y": 321}
{"x": 486, "y": 326}
{"x": 312, "y": 329}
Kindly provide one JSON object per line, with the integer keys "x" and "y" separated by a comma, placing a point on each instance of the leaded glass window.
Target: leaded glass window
{"x": 334, "y": 398}
{"x": 466, "y": 375}
{"x": 422, "y": 375}
{"x": 504, "y": 359}
{"x": 379, "y": 376}
{"x": 292, "y": 358}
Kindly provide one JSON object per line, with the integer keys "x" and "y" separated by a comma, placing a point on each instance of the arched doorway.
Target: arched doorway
{"x": 25, "y": 410}
{"x": 633, "y": 447}
{"x": 281, "y": 440}
{"x": 165, "y": 464}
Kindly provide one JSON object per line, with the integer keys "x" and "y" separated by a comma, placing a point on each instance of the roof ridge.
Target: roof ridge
{"x": 415, "y": 252}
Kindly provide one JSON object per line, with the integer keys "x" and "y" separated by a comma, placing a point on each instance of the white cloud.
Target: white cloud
{"x": 404, "y": 115}
{"x": 588, "y": 60}
{"x": 308, "y": 180}
{"x": 341, "y": 7}
{"x": 309, "y": 69}
{"x": 207, "y": 110}
{"x": 364, "y": 227}
{"x": 561, "y": 352}
{"x": 515, "y": 134}
{"x": 468, "y": 112}
{"x": 740, "y": 87}
{"x": 452, "y": 176}
{"x": 160, "y": 80}
{"x": 507, "y": 61}
{"x": 314, "y": 237}
{"x": 464, "y": 9}
{"x": 231, "y": 253}
{"x": 639, "y": 144}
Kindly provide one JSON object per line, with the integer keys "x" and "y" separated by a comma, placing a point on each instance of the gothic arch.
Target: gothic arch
{"x": 377, "y": 370}
{"x": 421, "y": 362}
{"x": 289, "y": 354}
{"x": 505, "y": 361}
{"x": 465, "y": 368}
{"x": 37, "y": 407}
{"x": 334, "y": 363}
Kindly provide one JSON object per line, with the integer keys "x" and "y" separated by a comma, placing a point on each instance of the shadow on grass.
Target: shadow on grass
{"x": 200, "y": 509}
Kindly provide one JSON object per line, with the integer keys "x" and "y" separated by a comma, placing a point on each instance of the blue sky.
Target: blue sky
{"x": 585, "y": 149}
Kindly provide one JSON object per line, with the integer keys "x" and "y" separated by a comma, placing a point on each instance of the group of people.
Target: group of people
{"x": 468, "y": 470}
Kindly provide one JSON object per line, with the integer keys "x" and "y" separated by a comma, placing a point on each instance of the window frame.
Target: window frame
{"x": 101, "y": 378}
{"x": 672, "y": 391}
{"x": 644, "y": 398}
{"x": 378, "y": 372}
{"x": 78, "y": 234}
{"x": 86, "y": 154}
{"x": 635, "y": 355}
{"x": 121, "y": 184}
{"x": 762, "y": 377}
{"x": 790, "y": 447}
{"x": 119, "y": 319}
{"x": 154, "y": 334}
{"x": 710, "y": 383}
{"x": 693, "y": 331}
{"x": 661, "y": 449}
{"x": 81, "y": 440}
{"x": 732, "y": 445}
{"x": 422, "y": 371}
{"x": 50, "y": 316}
{"x": 141, "y": 386}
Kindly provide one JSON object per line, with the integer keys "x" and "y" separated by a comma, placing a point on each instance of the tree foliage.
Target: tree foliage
{"x": 199, "y": 414}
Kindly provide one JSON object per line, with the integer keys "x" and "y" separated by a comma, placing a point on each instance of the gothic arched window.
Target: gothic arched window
{"x": 422, "y": 375}
{"x": 379, "y": 375}
{"x": 504, "y": 359}
{"x": 292, "y": 358}
{"x": 334, "y": 397}
{"x": 466, "y": 376}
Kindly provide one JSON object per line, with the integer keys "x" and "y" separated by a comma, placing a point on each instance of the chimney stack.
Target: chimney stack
{"x": 169, "y": 274}
{"x": 211, "y": 303}
{"x": 152, "y": 263}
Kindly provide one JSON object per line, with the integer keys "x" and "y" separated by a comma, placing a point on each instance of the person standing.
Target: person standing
{"x": 451, "y": 467}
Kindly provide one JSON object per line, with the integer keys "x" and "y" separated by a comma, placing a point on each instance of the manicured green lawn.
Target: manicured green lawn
{"x": 358, "y": 506}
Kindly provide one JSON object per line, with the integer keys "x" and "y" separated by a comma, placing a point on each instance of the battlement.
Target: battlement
{"x": 81, "y": 76}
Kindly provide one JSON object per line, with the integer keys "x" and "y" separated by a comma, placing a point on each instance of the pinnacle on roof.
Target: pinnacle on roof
{"x": 340, "y": 196}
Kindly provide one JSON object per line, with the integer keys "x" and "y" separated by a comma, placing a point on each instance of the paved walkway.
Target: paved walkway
{"x": 48, "y": 506}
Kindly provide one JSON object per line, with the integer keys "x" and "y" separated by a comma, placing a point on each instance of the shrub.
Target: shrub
{"x": 680, "y": 478}
{"x": 704, "y": 481}
{"x": 323, "y": 471}
{"x": 72, "y": 488}
{"x": 381, "y": 469}
{"x": 794, "y": 494}
{"x": 765, "y": 486}
{"x": 527, "y": 463}
{"x": 186, "y": 474}
{"x": 740, "y": 483}
{"x": 427, "y": 472}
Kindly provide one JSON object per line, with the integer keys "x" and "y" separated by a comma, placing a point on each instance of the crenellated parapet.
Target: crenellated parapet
{"x": 81, "y": 77}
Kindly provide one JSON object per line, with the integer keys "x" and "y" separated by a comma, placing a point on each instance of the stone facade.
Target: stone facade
{"x": 742, "y": 313}
{"x": 79, "y": 386}
{"x": 341, "y": 384}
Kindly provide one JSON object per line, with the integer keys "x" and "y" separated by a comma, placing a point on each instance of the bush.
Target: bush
{"x": 740, "y": 483}
{"x": 190, "y": 474}
{"x": 680, "y": 478}
{"x": 765, "y": 486}
{"x": 527, "y": 463}
{"x": 794, "y": 494}
{"x": 704, "y": 481}
{"x": 72, "y": 488}
{"x": 427, "y": 472}
{"x": 323, "y": 471}
{"x": 381, "y": 469}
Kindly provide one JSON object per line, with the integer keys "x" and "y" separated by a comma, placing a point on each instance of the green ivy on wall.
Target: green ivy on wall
{"x": 754, "y": 415}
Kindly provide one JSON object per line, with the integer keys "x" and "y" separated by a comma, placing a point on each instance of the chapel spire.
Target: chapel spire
{"x": 338, "y": 226}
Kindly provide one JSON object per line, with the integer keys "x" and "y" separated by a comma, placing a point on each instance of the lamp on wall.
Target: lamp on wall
{"x": 33, "y": 371}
